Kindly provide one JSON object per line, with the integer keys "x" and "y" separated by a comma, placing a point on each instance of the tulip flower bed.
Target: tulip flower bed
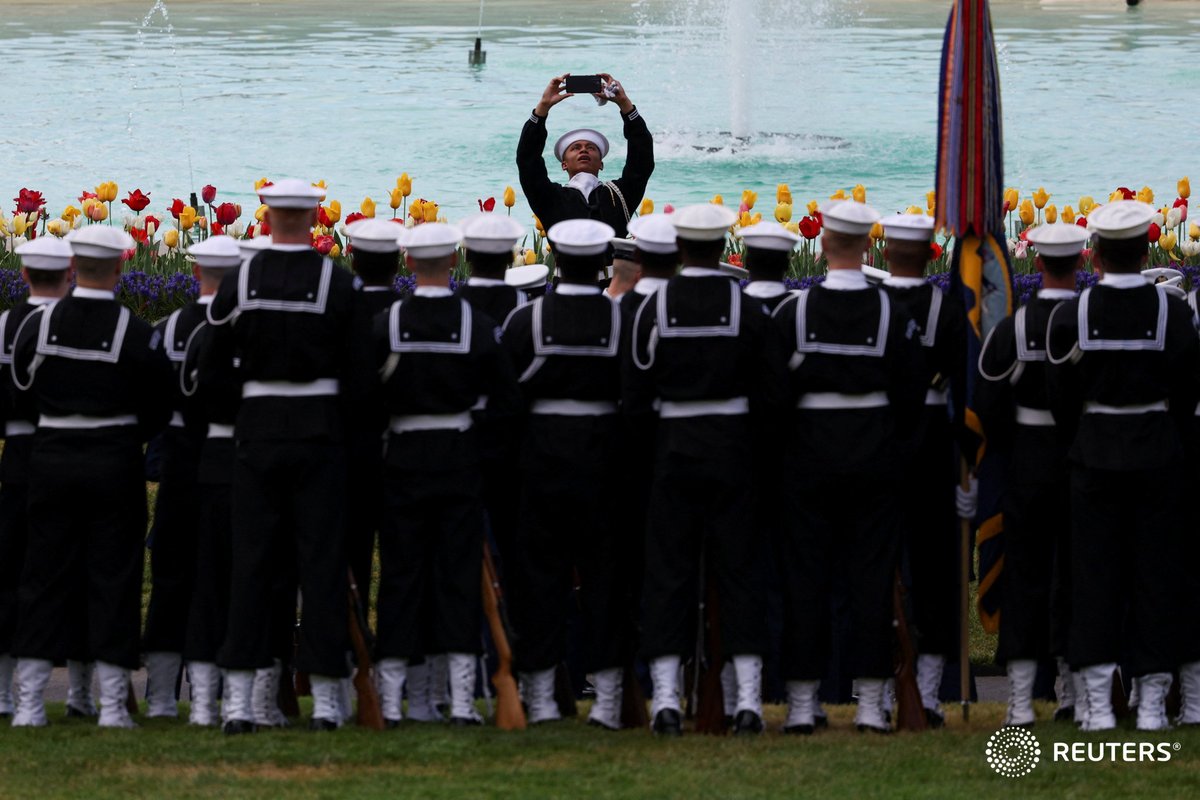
{"x": 158, "y": 276}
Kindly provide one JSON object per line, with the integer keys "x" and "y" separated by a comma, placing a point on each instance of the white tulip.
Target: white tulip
{"x": 1158, "y": 219}
{"x": 1173, "y": 217}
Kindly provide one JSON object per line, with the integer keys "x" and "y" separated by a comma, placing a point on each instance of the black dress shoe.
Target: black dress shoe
{"x": 747, "y": 723}
{"x": 235, "y": 727}
{"x": 934, "y": 719}
{"x": 465, "y": 722}
{"x": 800, "y": 730}
{"x": 873, "y": 729}
{"x": 595, "y": 723}
{"x": 77, "y": 713}
{"x": 391, "y": 724}
{"x": 668, "y": 723}
{"x": 1064, "y": 714}
{"x": 5, "y": 715}
{"x": 322, "y": 724}
{"x": 820, "y": 721}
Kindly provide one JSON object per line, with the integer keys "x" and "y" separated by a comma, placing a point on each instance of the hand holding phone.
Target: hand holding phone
{"x": 584, "y": 84}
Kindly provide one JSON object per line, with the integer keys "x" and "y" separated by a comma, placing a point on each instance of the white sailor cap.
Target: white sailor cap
{"x": 101, "y": 241}
{"x": 580, "y": 237}
{"x": 849, "y": 217}
{"x": 529, "y": 276}
{"x": 907, "y": 227}
{"x": 249, "y": 247}
{"x": 45, "y": 252}
{"x": 1167, "y": 279}
{"x": 585, "y": 134}
{"x": 1121, "y": 219}
{"x": 654, "y": 233}
{"x": 623, "y": 248}
{"x": 704, "y": 222}
{"x": 375, "y": 235}
{"x": 769, "y": 236}
{"x": 430, "y": 240}
{"x": 291, "y": 193}
{"x": 491, "y": 233}
{"x": 1058, "y": 239}
{"x": 741, "y": 273}
{"x": 216, "y": 252}
{"x": 875, "y": 276}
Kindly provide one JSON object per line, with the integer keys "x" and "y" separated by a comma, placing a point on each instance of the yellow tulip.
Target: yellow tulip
{"x": 757, "y": 218}
{"x": 58, "y": 227}
{"x": 1184, "y": 187}
{"x": 70, "y": 214}
{"x": 260, "y": 183}
{"x": 1051, "y": 214}
{"x": 187, "y": 218}
{"x": 395, "y": 199}
{"x": 335, "y": 251}
{"x": 1027, "y": 212}
{"x": 840, "y": 194}
{"x": 202, "y": 222}
{"x": 794, "y": 227}
{"x": 1146, "y": 195}
{"x": 333, "y": 211}
{"x": 783, "y": 213}
{"x": 749, "y": 198}
{"x": 717, "y": 200}
{"x": 417, "y": 210}
{"x": 1086, "y": 204}
{"x": 859, "y": 193}
{"x": 18, "y": 224}
{"x": 1167, "y": 241}
{"x": 877, "y": 231}
{"x": 1012, "y": 197}
{"x": 813, "y": 207}
{"x": 368, "y": 207}
{"x": 537, "y": 223}
{"x": 1193, "y": 230}
{"x": 171, "y": 238}
{"x": 744, "y": 220}
{"x": 1068, "y": 215}
{"x": 530, "y": 257}
{"x": 1116, "y": 195}
{"x": 320, "y": 184}
{"x": 430, "y": 211}
{"x": 510, "y": 197}
{"x": 783, "y": 194}
{"x": 647, "y": 207}
{"x": 260, "y": 212}
{"x": 404, "y": 184}
{"x": 915, "y": 210}
{"x": 96, "y": 211}
{"x": 1041, "y": 197}
{"x": 931, "y": 200}
{"x": 106, "y": 191}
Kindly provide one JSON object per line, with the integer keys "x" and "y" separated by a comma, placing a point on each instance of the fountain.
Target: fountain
{"x": 160, "y": 8}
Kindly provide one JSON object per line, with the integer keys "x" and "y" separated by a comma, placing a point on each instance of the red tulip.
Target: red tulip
{"x": 1126, "y": 194}
{"x": 136, "y": 200}
{"x": 935, "y": 251}
{"x": 28, "y": 201}
{"x": 176, "y": 206}
{"x": 323, "y": 244}
{"x": 153, "y": 220}
{"x": 487, "y": 205}
{"x": 85, "y": 194}
{"x": 217, "y": 230}
{"x": 810, "y": 227}
{"x": 1081, "y": 222}
{"x": 322, "y": 217}
{"x": 264, "y": 229}
{"x": 139, "y": 235}
{"x": 1182, "y": 204}
{"x": 736, "y": 259}
{"x": 250, "y": 231}
{"x": 208, "y": 194}
{"x": 227, "y": 213}
{"x": 353, "y": 218}
{"x": 1154, "y": 233}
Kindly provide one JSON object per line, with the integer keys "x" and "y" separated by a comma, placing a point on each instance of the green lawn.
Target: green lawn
{"x": 567, "y": 759}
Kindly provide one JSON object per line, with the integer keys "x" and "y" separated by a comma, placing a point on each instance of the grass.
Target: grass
{"x": 72, "y": 758}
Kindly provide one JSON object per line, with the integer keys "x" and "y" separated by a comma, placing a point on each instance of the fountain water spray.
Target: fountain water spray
{"x": 742, "y": 23}
{"x": 160, "y": 8}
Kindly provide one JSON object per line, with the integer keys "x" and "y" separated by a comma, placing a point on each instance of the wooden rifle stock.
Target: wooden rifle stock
{"x": 370, "y": 714}
{"x": 910, "y": 712}
{"x": 510, "y": 715}
{"x": 710, "y": 712}
{"x": 633, "y": 700}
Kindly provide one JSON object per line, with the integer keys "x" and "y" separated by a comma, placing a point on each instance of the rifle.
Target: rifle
{"x": 910, "y": 712}
{"x": 633, "y": 700}
{"x": 301, "y": 685}
{"x": 510, "y": 715}
{"x": 710, "y": 703}
{"x": 370, "y": 715}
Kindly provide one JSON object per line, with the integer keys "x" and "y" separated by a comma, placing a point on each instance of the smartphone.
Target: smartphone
{"x": 583, "y": 84}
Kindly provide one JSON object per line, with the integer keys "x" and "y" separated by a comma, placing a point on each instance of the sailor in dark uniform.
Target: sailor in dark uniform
{"x": 582, "y": 153}
{"x": 45, "y": 266}
{"x": 625, "y": 269}
{"x": 565, "y": 350}
{"x": 1189, "y": 669}
{"x": 657, "y": 253}
{"x": 705, "y": 357}
{"x": 212, "y": 411}
{"x": 769, "y": 248}
{"x": 927, "y": 498}
{"x": 296, "y": 323}
{"x": 437, "y": 357}
{"x": 857, "y": 387}
{"x": 530, "y": 279}
{"x": 1122, "y": 382}
{"x": 1010, "y": 399}
{"x": 87, "y": 492}
{"x": 489, "y": 240}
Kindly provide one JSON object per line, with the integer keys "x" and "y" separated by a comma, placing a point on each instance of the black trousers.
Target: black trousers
{"x": 209, "y": 610}
{"x": 568, "y": 527}
{"x": 172, "y": 546}
{"x": 1126, "y": 553}
{"x": 364, "y": 504}
{"x": 431, "y": 563}
{"x": 288, "y": 505}
{"x": 701, "y": 509}
{"x": 1035, "y": 517}
{"x": 839, "y": 525}
{"x": 81, "y": 588}
{"x": 14, "y": 533}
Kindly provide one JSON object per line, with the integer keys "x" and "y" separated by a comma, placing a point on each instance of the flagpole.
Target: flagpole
{"x": 964, "y": 607}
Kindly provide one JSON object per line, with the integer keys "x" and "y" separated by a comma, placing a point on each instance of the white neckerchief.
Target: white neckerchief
{"x": 649, "y": 286}
{"x": 40, "y": 300}
{"x": 765, "y": 289}
{"x": 1055, "y": 294}
{"x": 92, "y": 294}
{"x": 1123, "y": 280}
{"x": 433, "y": 291}
{"x": 206, "y": 299}
{"x": 903, "y": 283}
{"x": 289, "y": 248}
{"x": 702, "y": 272}
{"x": 585, "y": 182}
{"x": 845, "y": 280}
{"x": 476, "y": 281}
{"x": 576, "y": 288}
{"x": 377, "y": 288}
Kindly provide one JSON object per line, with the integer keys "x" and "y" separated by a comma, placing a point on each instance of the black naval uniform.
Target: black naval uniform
{"x": 771, "y": 294}
{"x": 19, "y": 424}
{"x": 1122, "y": 382}
{"x": 612, "y": 202}
{"x": 437, "y": 357}
{"x": 295, "y": 321}
{"x": 565, "y": 349}
{"x": 1190, "y": 636}
{"x": 858, "y": 387}
{"x": 1011, "y": 401}
{"x": 172, "y": 539}
{"x": 87, "y": 492}
{"x": 709, "y": 358}
{"x": 930, "y": 533}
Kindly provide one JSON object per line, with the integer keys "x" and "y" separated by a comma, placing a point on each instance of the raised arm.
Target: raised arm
{"x": 639, "y": 160}
{"x": 531, "y": 165}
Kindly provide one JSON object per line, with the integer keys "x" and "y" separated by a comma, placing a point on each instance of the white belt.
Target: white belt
{"x": 1034, "y": 417}
{"x": 18, "y": 427}
{"x": 432, "y": 422}
{"x": 177, "y": 420}
{"x": 824, "y": 401}
{"x": 936, "y": 397}
{"x": 574, "y": 408}
{"x": 680, "y": 409}
{"x": 1144, "y": 408}
{"x": 217, "y": 431}
{"x": 322, "y": 387}
{"x": 81, "y": 422}
{"x": 1198, "y": 409}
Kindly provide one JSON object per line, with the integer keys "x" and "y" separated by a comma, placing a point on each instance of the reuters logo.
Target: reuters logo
{"x": 1013, "y": 752}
